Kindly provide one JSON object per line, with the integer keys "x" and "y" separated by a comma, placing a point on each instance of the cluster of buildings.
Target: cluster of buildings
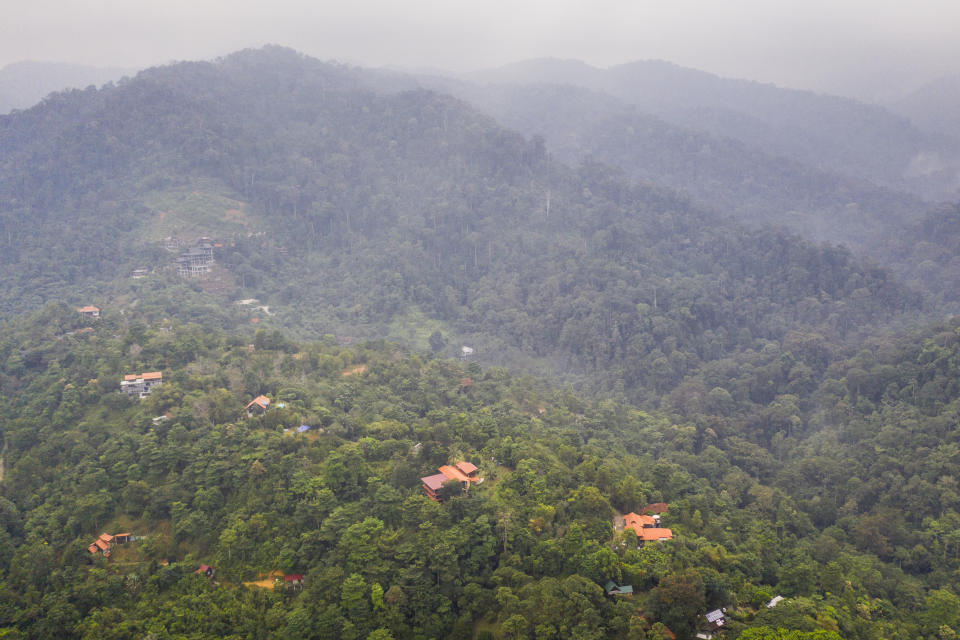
{"x": 140, "y": 384}
{"x": 104, "y": 544}
{"x": 464, "y": 472}
{"x": 646, "y": 524}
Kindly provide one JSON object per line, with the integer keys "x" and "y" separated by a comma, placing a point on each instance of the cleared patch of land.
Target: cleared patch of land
{"x": 354, "y": 370}
{"x": 265, "y": 580}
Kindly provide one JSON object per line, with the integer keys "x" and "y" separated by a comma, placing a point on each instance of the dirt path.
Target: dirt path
{"x": 265, "y": 581}
{"x": 354, "y": 371}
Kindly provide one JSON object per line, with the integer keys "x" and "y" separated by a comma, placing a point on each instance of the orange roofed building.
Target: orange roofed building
{"x": 465, "y": 472}
{"x": 646, "y": 527}
{"x": 140, "y": 384}
{"x": 105, "y": 543}
{"x": 89, "y": 311}
{"x": 260, "y": 403}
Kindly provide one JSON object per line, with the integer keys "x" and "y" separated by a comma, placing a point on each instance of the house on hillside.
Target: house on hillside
{"x": 104, "y": 544}
{"x": 89, "y": 312}
{"x": 466, "y": 352}
{"x": 715, "y": 621}
{"x": 258, "y": 406}
{"x": 205, "y": 570}
{"x": 293, "y": 581}
{"x": 140, "y": 384}
{"x": 196, "y": 261}
{"x": 613, "y": 589}
{"x": 465, "y": 472}
{"x": 647, "y": 528}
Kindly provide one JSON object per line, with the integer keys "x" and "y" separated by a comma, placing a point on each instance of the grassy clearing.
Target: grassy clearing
{"x": 197, "y": 210}
{"x": 413, "y": 328}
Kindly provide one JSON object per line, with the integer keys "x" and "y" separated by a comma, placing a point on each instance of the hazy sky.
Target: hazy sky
{"x": 868, "y": 45}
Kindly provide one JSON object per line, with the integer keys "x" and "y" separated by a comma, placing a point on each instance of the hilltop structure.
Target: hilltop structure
{"x": 104, "y": 544}
{"x": 647, "y": 527}
{"x": 140, "y": 384}
{"x": 465, "y": 472}
{"x": 196, "y": 261}
{"x": 258, "y": 405}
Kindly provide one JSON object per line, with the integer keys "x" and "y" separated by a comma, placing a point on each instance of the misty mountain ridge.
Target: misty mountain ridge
{"x": 715, "y": 171}
{"x": 792, "y": 418}
{"x": 826, "y": 132}
{"x": 23, "y": 84}
{"x": 362, "y": 207}
{"x": 934, "y": 107}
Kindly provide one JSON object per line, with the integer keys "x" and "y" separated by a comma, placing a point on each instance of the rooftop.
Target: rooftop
{"x": 452, "y": 473}
{"x": 637, "y": 521}
{"x": 649, "y": 534}
{"x": 714, "y": 616}
{"x": 261, "y": 401}
{"x": 466, "y": 467}
{"x": 434, "y": 482}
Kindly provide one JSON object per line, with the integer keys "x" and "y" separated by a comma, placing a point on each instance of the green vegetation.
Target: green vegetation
{"x": 794, "y": 403}
{"x": 526, "y": 552}
{"x": 197, "y": 210}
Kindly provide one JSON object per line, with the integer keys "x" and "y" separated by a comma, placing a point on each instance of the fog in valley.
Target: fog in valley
{"x": 858, "y": 48}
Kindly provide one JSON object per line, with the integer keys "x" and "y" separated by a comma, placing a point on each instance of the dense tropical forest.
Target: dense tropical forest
{"x": 794, "y": 404}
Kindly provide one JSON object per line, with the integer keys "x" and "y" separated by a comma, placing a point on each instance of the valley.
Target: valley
{"x": 344, "y": 279}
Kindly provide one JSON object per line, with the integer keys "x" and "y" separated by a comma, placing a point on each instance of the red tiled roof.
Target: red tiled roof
{"x": 203, "y": 568}
{"x": 261, "y": 401}
{"x": 131, "y": 376}
{"x": 434, "y": 482}
{"x": 648, "y": 534}
{"x": 453, "y": 473}
{"x": 293, "y": 577}
{"x": 106, "y": 537}
{"x": 93, "y": 549}
{"x": 636, "y": 521}
{"x": 103, "y": 546}
{"x": 153, "y": 375}
{"x": 88, "y": 309}
{"x": 122, "y": 535}
{"x": 466, "y": 467}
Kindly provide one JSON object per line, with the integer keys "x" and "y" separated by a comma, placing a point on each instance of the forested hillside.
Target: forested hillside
{"x": 837, "y": 134}
{"x": 363, "y": 206}
{"x": 716, "y": 171}
{"x": 522, "y": 554}
{"x": 934, "y": 107}
{"x": 927, "y": 253}
{"x": 791, "y": 401}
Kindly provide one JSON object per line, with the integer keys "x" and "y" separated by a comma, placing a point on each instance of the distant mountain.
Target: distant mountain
{"x": 825, "y": 132}
{"x": 927, "y": 254}
{"x": 23, "y": 84}
{"x": 347, "y": 210}
{"x": 715, "y": 171}
{"x": 935, "y": 107}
